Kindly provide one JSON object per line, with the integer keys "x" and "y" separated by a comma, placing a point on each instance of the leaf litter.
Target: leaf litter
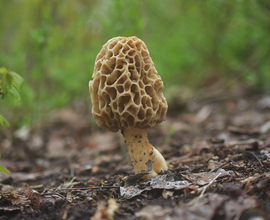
{"x": 218, "y": 155}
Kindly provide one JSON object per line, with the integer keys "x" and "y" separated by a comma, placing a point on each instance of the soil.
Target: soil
{"x": 217, "y": 147}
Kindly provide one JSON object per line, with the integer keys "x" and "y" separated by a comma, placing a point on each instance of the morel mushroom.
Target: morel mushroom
{"x": 126, "y": 94}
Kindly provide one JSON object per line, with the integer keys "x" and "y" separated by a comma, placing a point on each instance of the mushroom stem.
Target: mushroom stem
{"x": 141, "y": 151}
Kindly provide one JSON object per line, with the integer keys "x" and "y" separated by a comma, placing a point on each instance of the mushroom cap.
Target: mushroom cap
{"x": 126, "y": 91}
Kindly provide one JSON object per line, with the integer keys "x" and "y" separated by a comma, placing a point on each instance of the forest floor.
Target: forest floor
{"x": 217, "y": 147}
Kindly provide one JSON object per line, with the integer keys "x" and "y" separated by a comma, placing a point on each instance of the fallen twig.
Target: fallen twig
{"x": 86, "y": 188}
{"x": 210, "y": 183}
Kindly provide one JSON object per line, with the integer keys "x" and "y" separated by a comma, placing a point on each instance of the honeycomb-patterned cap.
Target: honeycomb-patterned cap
{"x": 126, "y": 90}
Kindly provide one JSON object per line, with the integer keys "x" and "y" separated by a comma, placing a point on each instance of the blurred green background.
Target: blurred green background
{"x": 53, "y": 45}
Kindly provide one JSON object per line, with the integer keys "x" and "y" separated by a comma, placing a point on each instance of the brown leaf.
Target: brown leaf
{"x": 104, "y": 212}
{"x": 212, "y": 164}
{"x": 153, "y": 212}
{"x": 240, "y": 131}
{"x": 166, "y": 194}
{"x": 204, "y": 178}
{"x": 157, "y": 182}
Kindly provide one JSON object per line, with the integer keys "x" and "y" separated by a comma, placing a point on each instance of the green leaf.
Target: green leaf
{"x": 1, "y": 87}
{"x": 7, "y": 78}
{"x": 3, "y": 95}
{"x": 3, "y": 120}
{"x": 17, "y": 80}
{"x": 4, "y": 90}
{"x": 3, "y": 70}
{"x": 3, "y": 170}
{"x": 15, "y": 93}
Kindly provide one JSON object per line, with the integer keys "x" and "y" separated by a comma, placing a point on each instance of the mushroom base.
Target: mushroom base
{"x": 141, "y": 151}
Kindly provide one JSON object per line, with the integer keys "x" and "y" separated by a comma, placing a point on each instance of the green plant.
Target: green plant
{"x": 3, "y": 169}
{"x": 10, "y": 83}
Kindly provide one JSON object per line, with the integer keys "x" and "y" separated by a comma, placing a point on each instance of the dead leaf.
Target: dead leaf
{"x": 153, "y": 212}
{"x": 133, "y": 179}
{"x": 104, "y": 212}
{"x": 240, "y": 131}
{"x": 213, "y": 206}
{"x": 203, "y": 114}
{"x": 204, "y": 178}
{"x": 166, "y": 194}
{"x": 234, "y": 208}
{"x": 265, "y": 127}
{"x": 203, "y": 208}
{"x": 157, "y": 182}
{"x": 25, "y": 196}
{"x": 254, "y": 178}
{"x": 212, "y": 164}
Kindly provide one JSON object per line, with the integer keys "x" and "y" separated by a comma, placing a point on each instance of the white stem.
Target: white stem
{"x": 141, "y": 151}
